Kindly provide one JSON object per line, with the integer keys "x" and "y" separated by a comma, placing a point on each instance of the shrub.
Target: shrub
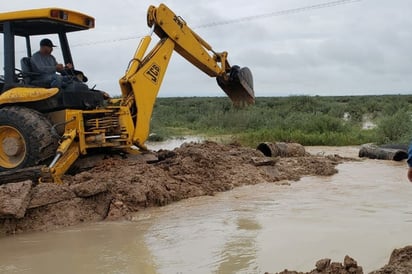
{"x": 310, "y": 120}
{"x": 395, "y": 129}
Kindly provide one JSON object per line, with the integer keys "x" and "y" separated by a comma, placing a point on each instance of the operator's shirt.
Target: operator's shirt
{"x": 43, "y": 64}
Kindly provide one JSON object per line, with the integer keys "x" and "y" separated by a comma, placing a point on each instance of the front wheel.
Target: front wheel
{"x": 25, "y": 138}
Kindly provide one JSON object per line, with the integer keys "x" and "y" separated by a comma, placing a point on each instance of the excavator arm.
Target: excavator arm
{"x": 187, "y": 43}
{"x": 141, "y": 83}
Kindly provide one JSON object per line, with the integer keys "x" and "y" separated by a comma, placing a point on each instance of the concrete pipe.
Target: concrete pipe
{"x": 282, "y": 149}
{"x": 383, "y": 153}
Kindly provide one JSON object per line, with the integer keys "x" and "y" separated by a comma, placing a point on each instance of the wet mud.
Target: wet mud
{"x": 400, "y": 262}
{"x": 117, "y": 186}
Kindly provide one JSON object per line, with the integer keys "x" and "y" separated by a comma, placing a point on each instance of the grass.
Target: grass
{"x": 309, "y": 120}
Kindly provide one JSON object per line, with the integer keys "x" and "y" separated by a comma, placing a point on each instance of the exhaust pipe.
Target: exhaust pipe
{"x": 238, "y": 85}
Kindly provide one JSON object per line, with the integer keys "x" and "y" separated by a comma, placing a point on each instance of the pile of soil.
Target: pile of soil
{"x": 118, "y": 186}
{"x": 324, "y": 266}
{"x": 400, "y": 262}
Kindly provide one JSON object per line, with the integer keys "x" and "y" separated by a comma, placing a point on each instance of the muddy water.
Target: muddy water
{"x": 173, "y": 143}
{"x": 363, "y": 211}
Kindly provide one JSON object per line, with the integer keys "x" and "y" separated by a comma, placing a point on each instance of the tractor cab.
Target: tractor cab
{"x": 22, "y": 31}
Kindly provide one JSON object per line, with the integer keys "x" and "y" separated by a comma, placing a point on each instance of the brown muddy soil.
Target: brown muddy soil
{"x": 325, "y": 266}
{"x": 400, "y": 262}
{"x": 117, "y": 186}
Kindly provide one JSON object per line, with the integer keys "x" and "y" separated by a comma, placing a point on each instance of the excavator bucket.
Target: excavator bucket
{"x": 238, "y": 85}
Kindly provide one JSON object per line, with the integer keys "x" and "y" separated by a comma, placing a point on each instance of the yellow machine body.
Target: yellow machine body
{"x": 125, "y": 122}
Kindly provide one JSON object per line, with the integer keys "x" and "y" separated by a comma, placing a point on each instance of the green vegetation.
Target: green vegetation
{"x": 309, "y": 120}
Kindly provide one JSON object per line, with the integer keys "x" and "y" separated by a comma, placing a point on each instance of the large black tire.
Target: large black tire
{"x": 25, "y": 138}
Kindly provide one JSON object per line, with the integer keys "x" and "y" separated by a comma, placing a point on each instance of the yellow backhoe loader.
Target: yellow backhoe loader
{"x": 41, "y": 125}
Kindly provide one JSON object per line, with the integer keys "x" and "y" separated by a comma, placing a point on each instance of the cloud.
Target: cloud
{"x": 356, "y": 48}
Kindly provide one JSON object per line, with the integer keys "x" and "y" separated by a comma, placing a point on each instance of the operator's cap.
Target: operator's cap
{"x": 47, "y": 42}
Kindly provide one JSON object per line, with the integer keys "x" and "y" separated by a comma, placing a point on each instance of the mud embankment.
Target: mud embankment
{"x": 117, "y": 187}
{"x": 400, "y": 262}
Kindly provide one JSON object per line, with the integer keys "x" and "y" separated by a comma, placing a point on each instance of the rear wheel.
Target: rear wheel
{"x": 25, "y": 138}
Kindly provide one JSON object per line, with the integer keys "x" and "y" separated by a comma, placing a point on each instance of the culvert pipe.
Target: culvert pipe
{"x": 281, "y": 149}
{"x": 383, "y": 153}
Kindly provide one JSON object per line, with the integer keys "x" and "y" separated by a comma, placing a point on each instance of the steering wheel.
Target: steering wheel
{"x": 18, "y": 73}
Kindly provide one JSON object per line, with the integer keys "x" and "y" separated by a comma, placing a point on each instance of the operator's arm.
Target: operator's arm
{"x": 44, "y": 64}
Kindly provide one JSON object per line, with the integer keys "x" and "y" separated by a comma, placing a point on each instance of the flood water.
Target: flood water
{"x": 363, "y": 211}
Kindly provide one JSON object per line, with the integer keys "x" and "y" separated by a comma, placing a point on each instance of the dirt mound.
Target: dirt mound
{"x": 325, "y": 266}
{"x": 400, "y": 262}
{"x": 119, "y": 186}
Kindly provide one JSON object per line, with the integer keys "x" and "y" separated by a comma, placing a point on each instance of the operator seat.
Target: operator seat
{"x": 29, "y": 76}
{"x": 76, "y": 95}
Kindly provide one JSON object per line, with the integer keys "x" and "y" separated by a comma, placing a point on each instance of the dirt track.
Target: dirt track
{"x": 117, "y": 187}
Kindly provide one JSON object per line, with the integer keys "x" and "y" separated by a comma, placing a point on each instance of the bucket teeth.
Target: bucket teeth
{"x": 238, "y": 85}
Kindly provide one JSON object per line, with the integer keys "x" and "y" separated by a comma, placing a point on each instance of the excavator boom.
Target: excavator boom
{"x": 236, "y": 82}
{"x": 141, "y": 83}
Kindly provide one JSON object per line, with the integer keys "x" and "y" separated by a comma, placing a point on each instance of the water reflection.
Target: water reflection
{"x": 92, "y": 248}
{"x": 239, "y": 252}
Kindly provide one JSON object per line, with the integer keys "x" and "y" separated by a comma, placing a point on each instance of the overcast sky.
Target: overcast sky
{"x": 361, "y": 47}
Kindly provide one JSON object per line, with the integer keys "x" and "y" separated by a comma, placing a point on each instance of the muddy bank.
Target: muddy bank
{"x": 117, "y": 187}
{"x": 400, "y": 262}
{"x": 325, "y": 266}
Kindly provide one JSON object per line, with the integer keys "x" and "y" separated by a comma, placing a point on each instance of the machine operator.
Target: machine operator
{"x": 44, "y": 63}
